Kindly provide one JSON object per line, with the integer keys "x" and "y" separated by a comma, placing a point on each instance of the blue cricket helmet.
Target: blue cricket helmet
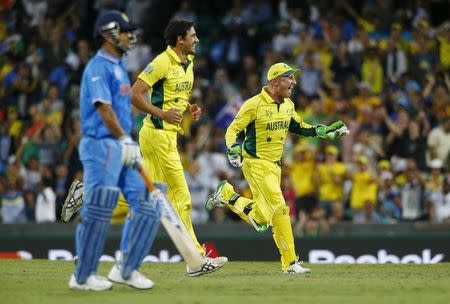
{"x": 112, "y": 20}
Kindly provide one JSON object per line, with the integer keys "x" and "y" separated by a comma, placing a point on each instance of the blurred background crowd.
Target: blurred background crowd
{"x": 381, "y": 66}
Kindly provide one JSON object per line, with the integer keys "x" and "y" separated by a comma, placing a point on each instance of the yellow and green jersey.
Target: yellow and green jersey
{"x": 329, "y": 189}
{"x": 302, "y": 177}
{"x": 364, "y": 189}
{"x": 170, "y": 83}
{"x": 266, "y": 124}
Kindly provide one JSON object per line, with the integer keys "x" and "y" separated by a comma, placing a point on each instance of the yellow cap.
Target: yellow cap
{"x": 332, "y": 150}
{"x": 280, "y": 69}
{"x": 362, "y": 159}
{"x": 384, "y": 165}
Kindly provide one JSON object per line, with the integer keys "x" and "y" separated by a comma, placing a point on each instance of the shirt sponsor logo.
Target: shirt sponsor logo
{"x": 95, "y": 78}
{"x": 183, "y": 86}
{"x": 277, "y": 125}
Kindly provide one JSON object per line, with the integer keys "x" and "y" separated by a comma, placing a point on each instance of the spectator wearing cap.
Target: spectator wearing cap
{"x": 388, "y": 196}
{"x": 435, "y": 179}
{"x": 364, "y": 186}
{"x": 329, "y": 178}
{"x": 301, "y": 172}
{"x": 395, "y": 39}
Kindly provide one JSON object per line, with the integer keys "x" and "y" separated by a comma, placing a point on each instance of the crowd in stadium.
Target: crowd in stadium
{"x": 381, "y": 67}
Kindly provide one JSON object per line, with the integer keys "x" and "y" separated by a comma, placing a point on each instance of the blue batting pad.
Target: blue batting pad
{"x": 139, "y": 233}
{"x": 92, "y": 231}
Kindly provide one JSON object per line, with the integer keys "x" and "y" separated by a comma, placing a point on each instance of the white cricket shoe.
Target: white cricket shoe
{"x": 209, "y": 265}
{"x": 74, "y": 200}
{"x": 219, "y": 261}
{"x": 215, "y": 199}
{"x": 94, "y": 282}
{"x": 136, "y": 280}
{"x": 295, "y": 268}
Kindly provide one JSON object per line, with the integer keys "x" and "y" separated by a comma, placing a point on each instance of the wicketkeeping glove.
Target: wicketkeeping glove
{"x": 234, "y": 155}
{"x": 131, "y": 154}
{"x": 336, "y": 129}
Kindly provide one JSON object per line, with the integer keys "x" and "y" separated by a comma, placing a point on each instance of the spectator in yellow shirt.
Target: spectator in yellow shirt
{"x": 443, "y": 37}
{"x": 330, "y": 179}
{"x": 301, "y": 174}
{"x": 372, "y": 70}
{"x": 365, "y": 102}
{"x": 364, "y": 188}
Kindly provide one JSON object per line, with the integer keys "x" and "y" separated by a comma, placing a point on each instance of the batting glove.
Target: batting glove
{"x": 131, "y": 154}
{"x": 336, "y": 129}
{"x": 234, "y": 155}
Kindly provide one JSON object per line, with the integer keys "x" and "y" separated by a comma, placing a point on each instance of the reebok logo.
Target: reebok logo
{"x": 382, "y": 257}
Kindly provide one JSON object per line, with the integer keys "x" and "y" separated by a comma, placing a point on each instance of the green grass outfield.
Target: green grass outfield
{"x": 42, "y": 281}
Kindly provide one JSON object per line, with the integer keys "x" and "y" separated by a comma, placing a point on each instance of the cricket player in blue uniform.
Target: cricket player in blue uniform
{"x": 108, "y": 154}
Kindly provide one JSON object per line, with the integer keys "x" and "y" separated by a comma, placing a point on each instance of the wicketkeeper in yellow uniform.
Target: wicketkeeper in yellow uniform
{"x": 266, "y": 119}
{"x": 168, "y": 81}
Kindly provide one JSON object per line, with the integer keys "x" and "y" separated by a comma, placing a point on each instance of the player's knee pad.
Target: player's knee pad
{"x": 100, "y": 203}
{"x": 139, "y": 233}
{"x": 92, "y": 231}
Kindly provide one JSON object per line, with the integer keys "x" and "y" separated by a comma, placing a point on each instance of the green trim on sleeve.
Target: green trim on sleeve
{"x": 296, "y": 128}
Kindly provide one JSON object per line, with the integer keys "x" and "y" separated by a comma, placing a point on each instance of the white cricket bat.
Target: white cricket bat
{"x": 175, "y": 227}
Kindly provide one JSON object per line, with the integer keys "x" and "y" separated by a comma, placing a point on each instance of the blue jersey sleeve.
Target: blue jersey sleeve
{"x": 97, "y": 79}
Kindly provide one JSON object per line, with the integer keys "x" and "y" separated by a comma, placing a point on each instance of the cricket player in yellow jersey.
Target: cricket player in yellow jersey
{"x": 266, "y": 119}
{"x": 168, "y": 81}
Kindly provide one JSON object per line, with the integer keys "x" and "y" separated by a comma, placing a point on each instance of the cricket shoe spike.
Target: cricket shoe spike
{"x": 296, "y": 268}
{"x": 136, "y": 280}
{"x": 94, "y": 282}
